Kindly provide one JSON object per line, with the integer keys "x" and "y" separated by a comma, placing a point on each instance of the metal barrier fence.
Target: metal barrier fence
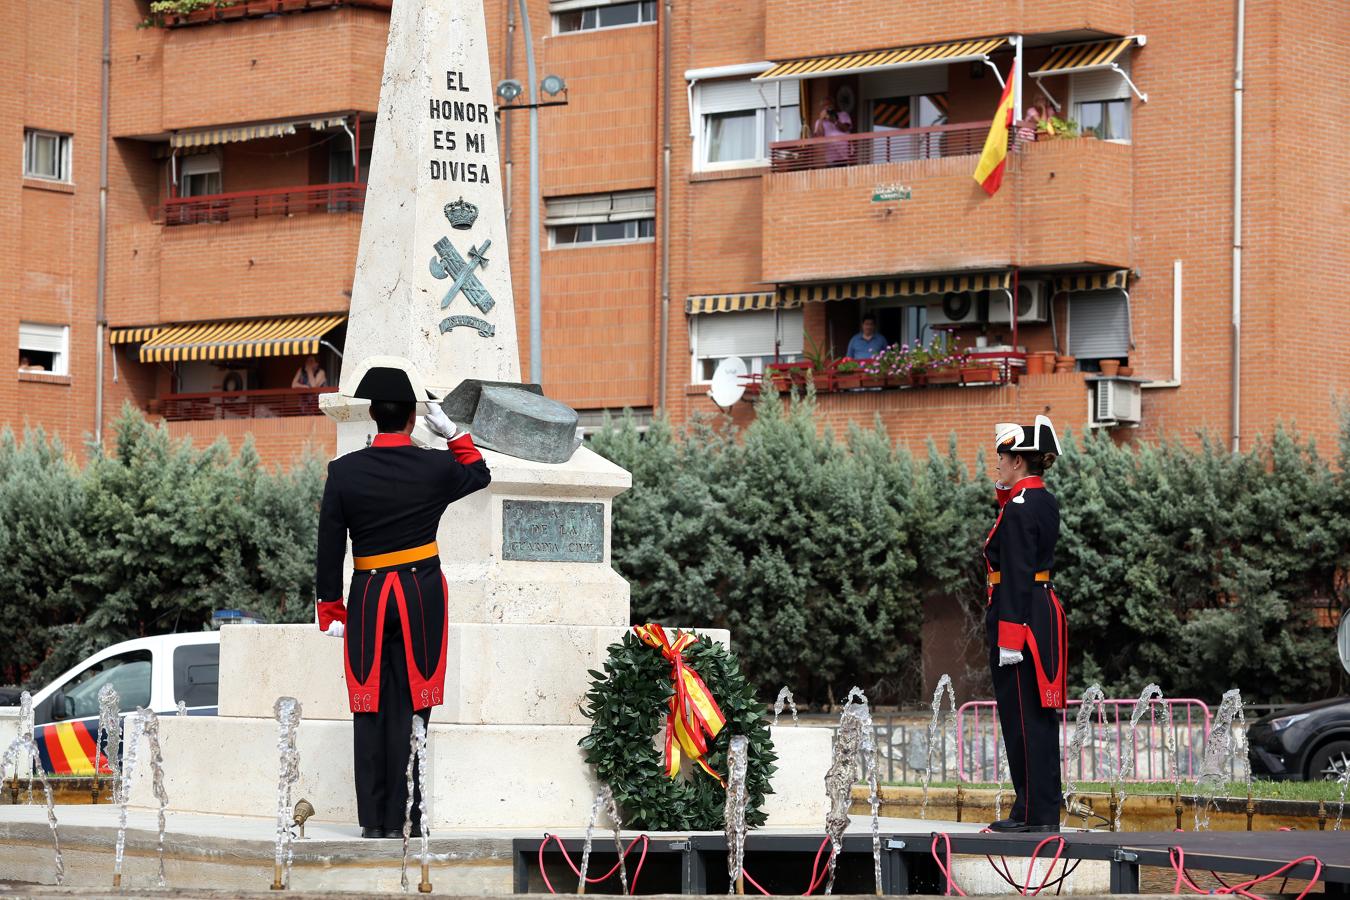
{"x": 978, "y": 737}
{"x": 968, "y": 751}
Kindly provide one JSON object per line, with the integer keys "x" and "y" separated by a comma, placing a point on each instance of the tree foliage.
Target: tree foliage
{"x": 148, "y": 538}
{"x": 1190, "y": 566}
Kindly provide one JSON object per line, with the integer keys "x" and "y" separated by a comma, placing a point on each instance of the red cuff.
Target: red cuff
{"x": 464, "y": 450}
{"x": 1011, "y": 636}
{"x": 330, "y": 612}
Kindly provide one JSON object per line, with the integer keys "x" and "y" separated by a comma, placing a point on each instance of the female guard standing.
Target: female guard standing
{"x": 1025, "y": 623}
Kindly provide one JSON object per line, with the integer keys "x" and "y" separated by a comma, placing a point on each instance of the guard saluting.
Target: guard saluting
{"x": 390, "y": 497}
{"x": 1028, "y": 634}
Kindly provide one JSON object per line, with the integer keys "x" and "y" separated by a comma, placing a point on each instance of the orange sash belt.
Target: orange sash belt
{"x": 396, "y": 558}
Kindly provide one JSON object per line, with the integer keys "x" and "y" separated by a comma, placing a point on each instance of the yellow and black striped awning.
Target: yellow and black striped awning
{"x": 210, "y": 136}
{"x": 133, "y": 335}
{"x": 879, "y": 60}
{"x": 239, "y": 339}
{"x": 1081, "y": 57}
{"x": 719, "y": 303}
{"x": 1094, "y": 281}
{"x": 881, "y": 289}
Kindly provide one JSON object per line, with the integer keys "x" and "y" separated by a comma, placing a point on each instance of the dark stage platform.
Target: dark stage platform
{"x": 697, "y": 864}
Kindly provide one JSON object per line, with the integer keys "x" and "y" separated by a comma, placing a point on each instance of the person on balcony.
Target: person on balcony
{"x": 390, "y": 497}
{"x": 868, "y": 342}
{"x": 1025, "y": 623}
{"x": 310, "y": 374}
{"x": 831, "y": 122}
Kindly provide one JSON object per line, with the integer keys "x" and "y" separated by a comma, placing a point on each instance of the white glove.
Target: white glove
{"x": 440, "y": 423}
{"x": 336, "y": 629}
{"x": 1008, "y": 657}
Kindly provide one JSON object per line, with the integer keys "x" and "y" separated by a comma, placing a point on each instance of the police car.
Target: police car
{"x": 154, "y": 672}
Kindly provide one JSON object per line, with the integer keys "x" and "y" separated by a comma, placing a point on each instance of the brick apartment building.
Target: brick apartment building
{"x": 691, "y": 216}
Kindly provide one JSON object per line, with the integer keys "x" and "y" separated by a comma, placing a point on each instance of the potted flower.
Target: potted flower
{"x": 848, "y": 374}
{"x": 873, "y": 375}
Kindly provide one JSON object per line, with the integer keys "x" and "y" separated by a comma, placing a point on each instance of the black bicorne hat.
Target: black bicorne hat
{"x": 1038, "y": 438}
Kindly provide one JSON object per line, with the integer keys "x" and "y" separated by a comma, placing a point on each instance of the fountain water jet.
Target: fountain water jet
{"x": 1125, "y": 767}
{"x": 1093, "y": 696}
{"x": 854, "y": 744}
{"x": 288, "y": 711}
{"x": 944, "y": 685}
{"x": 785, "y": 696}
{"x": 25, "y": 743}
{"x": 109, "y": 739}
{"x": 1224, "y": 745}
{"x": 604, "y": 799}
{"x": 141, "y": 723}
{"x": 417, "y": 754}
{"x": 734, "y": 811}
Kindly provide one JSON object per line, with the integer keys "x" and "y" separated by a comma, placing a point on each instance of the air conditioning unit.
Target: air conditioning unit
{"x": 1115, "y": 402}
{"x": 1033, "y": 303}
{"x": 956, "y": 308}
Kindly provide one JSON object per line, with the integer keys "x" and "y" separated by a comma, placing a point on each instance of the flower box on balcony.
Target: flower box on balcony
{"x": 979, "y": 374}
{"x": 848, "y": 382}
{"x": 943, "y": 376}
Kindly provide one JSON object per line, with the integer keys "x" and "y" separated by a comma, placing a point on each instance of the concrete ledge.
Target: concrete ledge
{"x": 496, "y": 674}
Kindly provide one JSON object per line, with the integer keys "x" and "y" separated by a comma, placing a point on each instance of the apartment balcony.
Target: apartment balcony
{"x": 905, "y": 202}
{"x": 241, "y": 265}
{"x": 227, "y": 11}
{"x": 275, "y": 403}
{"x": 306, "y": 200}
{"x": 269, "y": 67}
{"x": 805, "y": 28}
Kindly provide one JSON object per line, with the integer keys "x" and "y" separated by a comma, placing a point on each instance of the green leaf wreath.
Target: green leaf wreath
{"x": 627, "y": 706}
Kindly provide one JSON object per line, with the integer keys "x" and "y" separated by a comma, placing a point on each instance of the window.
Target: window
{"x": 44, "y": 348}
{"x": 1101, "y": 104}
{"x": 738, "y": 120}
{"x": 758, "y": 338}
{"x": 129, "y": 673}
{"x": 581, "y": 17}
{"x": 623, "y": 216}
{"x": 196, "y": 674}
{"x": 199, "y": 176}
{"x": 46, "y": 154}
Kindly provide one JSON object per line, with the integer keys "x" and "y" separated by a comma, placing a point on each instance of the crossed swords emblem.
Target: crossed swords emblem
{"x": 448, "y": 263}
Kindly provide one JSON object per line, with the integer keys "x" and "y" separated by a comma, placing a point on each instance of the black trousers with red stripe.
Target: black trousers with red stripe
{"x": 1031, "y": 738}
{"x": 381, "y": 741}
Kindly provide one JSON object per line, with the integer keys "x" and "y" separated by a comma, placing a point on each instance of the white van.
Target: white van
{"x": 154, "y": 672}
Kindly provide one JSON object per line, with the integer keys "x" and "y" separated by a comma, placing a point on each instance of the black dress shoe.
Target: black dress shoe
{"x": 1007, "y": 825}
{"x": 373, "y": 833}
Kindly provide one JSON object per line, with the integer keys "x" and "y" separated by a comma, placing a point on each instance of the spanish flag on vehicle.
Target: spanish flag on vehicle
{"x": 989, "y": 173}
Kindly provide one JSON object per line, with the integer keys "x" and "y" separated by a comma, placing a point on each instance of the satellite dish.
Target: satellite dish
{"x": 1343, "y": 640}
{"x": 727, "y": 385}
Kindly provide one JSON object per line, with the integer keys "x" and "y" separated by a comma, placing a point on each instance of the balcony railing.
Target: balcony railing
{"x": 873, "y": 147}
{"x": 316, "y": 198}
{"x": 263, "y": 404}
{"x": 254, "y": 9}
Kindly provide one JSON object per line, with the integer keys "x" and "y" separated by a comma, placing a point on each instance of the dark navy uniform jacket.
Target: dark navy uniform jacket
{"x": 390, "y": 497}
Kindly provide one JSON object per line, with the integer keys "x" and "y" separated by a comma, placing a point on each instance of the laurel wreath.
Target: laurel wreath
{"x": 627, "y": 706}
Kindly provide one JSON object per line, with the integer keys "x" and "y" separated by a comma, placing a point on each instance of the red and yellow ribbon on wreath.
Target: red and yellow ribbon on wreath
{"x": 694, "y": 718}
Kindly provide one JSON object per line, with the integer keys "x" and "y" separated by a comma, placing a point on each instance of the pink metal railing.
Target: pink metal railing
{"x": 872, "y": 147}
{"x": 226, "y": 11}
{"x": 316, "y": 198}
{"x": 272, "y": 403}
{"x": 978, "y": 736}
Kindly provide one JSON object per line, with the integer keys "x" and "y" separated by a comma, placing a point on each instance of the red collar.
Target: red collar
{"x": 392, "y": 439}
{"x": 1031, "y": 482}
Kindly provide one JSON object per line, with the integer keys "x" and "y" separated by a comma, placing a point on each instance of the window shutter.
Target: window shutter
{"x": 622, "y": 206}
{"x": 1099, "y": 325}
{"x": 748, "y": 334}
{"x": 557, "y": 6}
{"x": 741, "y": 94}
{"x": 1101, "y": 84}
{"x": 42, "y": 338}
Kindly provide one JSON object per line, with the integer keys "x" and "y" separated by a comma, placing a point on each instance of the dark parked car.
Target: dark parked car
{"x": 1303, "y": 742}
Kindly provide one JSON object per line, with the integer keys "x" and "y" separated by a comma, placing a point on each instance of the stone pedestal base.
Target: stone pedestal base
{"x": 481, "y": 776}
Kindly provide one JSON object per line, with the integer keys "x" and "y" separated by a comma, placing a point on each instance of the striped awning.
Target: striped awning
{"x": 794, "y": 294}
{"x": 239, "y": 339}
{"x": 1094, "y": 281}
{"x": 719, "y": 303}
{"x": 880, "y": 60}
{"x": 132, "y": 335}
{"x": 1083, "y": 57}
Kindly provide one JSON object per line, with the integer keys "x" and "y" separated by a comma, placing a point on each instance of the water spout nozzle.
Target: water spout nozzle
{"x": 276, "y": 879}
{"x": 424, "y": 886}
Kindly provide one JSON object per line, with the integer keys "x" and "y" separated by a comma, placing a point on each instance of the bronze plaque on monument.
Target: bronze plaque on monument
{"x": 553, "y": 531}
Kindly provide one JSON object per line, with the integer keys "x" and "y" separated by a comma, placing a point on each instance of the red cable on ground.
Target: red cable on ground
{"x": 632, "y": 884}
{"x": 1177, "y": 856}
{"x": 1050, "y": 870}
{"x": 946, "y": 869}
{"x": 817, "y": 873}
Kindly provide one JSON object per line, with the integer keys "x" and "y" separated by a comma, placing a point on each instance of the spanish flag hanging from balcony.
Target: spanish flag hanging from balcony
{"x": 989, "y": 173}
